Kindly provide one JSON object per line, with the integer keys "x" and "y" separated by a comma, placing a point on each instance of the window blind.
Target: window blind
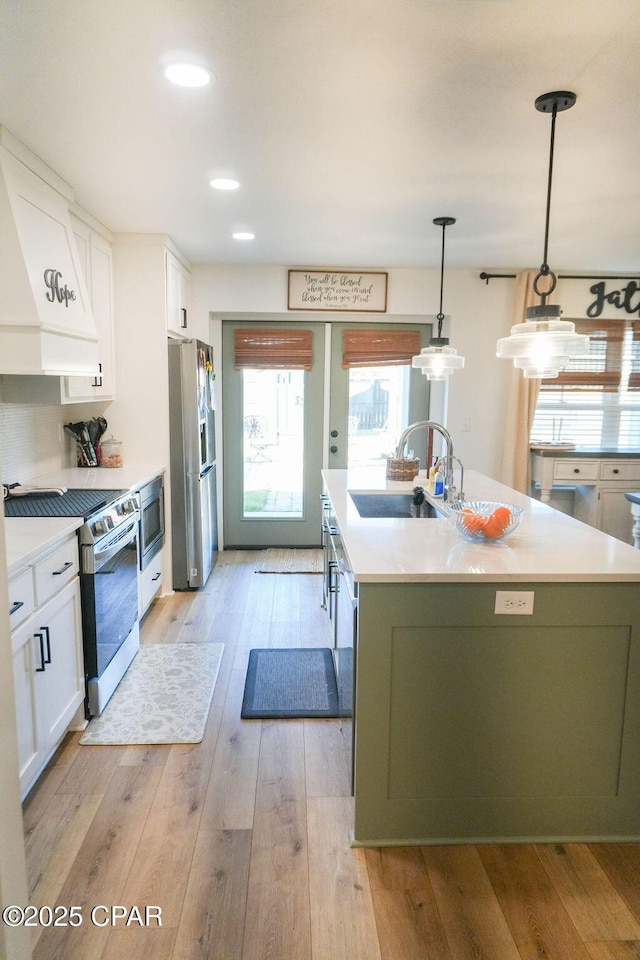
{"x": 379, "y": 348}
{"x": 274, "y": 349}
{"x": 595, "y": 402}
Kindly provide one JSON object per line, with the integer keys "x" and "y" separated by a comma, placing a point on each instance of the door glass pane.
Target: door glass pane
{"x": 273, "y": 443}
{"x": 378, "y": 412}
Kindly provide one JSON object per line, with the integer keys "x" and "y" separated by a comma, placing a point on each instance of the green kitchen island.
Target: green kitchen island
{"x": 470, "y": 725}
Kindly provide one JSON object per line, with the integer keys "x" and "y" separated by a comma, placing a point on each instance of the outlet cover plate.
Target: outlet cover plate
{"x": 514, "y": 602}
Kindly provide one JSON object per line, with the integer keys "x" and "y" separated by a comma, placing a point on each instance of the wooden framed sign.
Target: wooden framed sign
{"x": 346, "y": 290}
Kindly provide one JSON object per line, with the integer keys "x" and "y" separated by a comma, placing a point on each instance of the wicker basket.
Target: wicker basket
{"x": 402, "y": 469}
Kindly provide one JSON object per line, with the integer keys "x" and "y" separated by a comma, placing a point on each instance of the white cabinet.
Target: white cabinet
{"x": 47, "y": 658}
{"x": 46, "y": 321}
{"x": 178, "y": 295}
{"x": 94, "y": 251}
{"x": 150, "y": 582}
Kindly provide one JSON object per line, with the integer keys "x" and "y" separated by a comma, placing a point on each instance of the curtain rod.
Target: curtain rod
{"x": 563, "y": 276}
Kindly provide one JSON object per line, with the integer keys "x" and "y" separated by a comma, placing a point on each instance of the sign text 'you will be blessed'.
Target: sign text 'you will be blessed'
{"x": 337, "y": 290}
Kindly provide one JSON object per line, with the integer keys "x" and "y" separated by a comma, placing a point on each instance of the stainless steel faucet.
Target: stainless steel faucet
{"x": 449, "y": 458}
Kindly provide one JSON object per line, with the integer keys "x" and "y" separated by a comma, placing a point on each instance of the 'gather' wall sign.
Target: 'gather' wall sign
{"x": 627, "y": 299}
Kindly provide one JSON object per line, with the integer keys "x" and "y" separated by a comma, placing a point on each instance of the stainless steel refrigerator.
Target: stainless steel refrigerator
{"x": 194, "y": 526}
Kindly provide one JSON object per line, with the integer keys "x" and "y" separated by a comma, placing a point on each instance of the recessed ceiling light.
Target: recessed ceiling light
{"x": 223, "y": 183}
{"x": 187, "y": 75}
{"x": 244, "y": 236}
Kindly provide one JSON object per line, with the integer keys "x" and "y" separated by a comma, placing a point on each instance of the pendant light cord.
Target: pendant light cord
{"x": 440, "y": 316}
{"x": 544, "y": 269}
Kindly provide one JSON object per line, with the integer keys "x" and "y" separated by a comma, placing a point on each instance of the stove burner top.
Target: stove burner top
{"x": 73, "y": 503}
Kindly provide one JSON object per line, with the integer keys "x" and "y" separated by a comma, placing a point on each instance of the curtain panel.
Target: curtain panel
{"x": 522, "y": 394}
{"x": 275, "y": 349}
{"x": 384, "y": 348}
{"x": 634, "y": 375}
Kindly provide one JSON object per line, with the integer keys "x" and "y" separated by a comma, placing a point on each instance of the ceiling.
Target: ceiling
{"x": 350, "y": 123}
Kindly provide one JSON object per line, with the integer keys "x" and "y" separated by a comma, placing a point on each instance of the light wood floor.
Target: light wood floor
{"x": 242, "y": 840}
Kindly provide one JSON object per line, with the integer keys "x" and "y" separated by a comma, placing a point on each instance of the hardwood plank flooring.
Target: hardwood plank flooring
{"x": 243, "y": 840}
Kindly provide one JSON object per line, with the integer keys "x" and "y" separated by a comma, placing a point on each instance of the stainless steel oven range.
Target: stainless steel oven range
{"x": 108, "y": 578}
{"x": 109, "y": 589}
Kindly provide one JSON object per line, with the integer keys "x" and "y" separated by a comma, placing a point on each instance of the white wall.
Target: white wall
{"x": 479, "y": 314}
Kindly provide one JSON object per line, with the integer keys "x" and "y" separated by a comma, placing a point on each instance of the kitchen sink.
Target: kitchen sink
{"x": 391, "y": 505}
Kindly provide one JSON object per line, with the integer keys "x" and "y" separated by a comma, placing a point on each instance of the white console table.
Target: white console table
{"x": 601, "y": 480}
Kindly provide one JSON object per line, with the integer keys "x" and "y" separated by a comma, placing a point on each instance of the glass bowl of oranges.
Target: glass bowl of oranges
{"x": 484, "y": 521}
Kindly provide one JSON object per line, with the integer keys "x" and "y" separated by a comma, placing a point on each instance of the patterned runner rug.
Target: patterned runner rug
{"x": 164, "y": 697}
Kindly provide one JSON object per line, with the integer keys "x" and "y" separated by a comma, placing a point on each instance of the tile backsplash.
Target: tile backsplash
{"x": 32, "y": 440}
{"x": 30, "y": 424}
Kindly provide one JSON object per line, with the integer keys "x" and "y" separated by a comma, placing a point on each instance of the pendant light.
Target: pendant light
{"x": 544, "y": 344}
{"x": 439, "y": 360}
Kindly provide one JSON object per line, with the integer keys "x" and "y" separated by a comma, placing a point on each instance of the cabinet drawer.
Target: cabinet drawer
{"x": 150, "y": 582}
{"x": 54, "y": 571}
{"x": 22, "y": 598}
{"x": 620, "y": 470}
{"x": 576, "y": 470}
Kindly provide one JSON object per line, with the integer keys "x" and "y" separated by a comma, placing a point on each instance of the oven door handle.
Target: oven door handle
{"x": 101, "y": 556}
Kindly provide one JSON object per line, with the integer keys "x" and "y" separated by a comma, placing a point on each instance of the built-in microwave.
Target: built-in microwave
{"x": 151, "y": 521}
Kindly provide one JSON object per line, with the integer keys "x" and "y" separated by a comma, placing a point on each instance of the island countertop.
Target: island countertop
{"x": 548, "y": 546}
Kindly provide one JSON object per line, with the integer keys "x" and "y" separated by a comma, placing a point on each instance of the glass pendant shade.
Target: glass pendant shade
{"x": 437, "y": 362}
{"x": 542, "y": 347}
{"x": 544, "y": 344}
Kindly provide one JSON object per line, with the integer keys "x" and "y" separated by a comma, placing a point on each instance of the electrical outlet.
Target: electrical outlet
{"x": 518, "y": 602}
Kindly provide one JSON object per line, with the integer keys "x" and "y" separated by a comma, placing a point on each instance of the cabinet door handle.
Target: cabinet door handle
{"x": 333, "y": 448}
{"x": 183, "y": 317}
{"x": 576, "y": 469}
{"x": 156, "y": 577}
{"x": 97, "y": 381}
{"x": 47, "y": 659}
{"x": 41, "y": 668}
{"x": 56, "y": 573}
{"x": 615, "y": 470}
{"x": 16, "y": 606}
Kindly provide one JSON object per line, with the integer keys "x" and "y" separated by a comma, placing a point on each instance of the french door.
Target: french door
{"x": 273, "y": 422}
{"x": 371, "y": 405}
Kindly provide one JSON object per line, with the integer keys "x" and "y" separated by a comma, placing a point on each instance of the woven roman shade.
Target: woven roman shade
{"x": 634, "y": 375}
{"x": 379, "y": 348}
{"x": 601, "y": 368}
{"x": 273, "y": 349}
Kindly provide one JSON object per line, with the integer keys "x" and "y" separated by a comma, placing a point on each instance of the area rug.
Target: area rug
{"x": 288, "y": 683}
{"x": 164, "y": 697}
{"x": 291, "y": 561}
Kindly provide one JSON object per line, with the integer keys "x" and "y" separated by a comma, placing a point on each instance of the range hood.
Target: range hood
{"x": 46, "y": 323}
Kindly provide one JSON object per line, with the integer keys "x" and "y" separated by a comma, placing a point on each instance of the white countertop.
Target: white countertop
{"x": 547, "y": 546}
{"x": 27, "y": 538}
{"x": 129, "y": 477}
